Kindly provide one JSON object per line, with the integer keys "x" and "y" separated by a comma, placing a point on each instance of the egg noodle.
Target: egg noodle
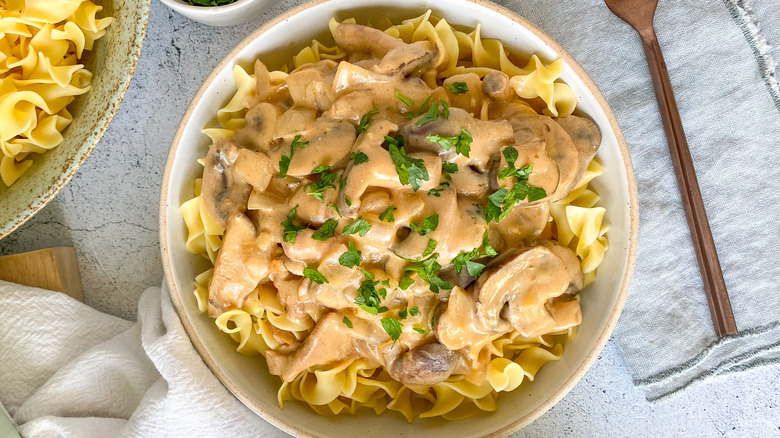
{"x": 41, "y": 43}
{"x": 511, "y": 358}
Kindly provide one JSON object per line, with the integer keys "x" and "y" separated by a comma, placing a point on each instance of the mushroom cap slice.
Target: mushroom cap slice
{"x": 224, "y": 192}
{"x": 242, "y": 262}
{"x": 424, "y": 365}
{"x": 514, "y": 290}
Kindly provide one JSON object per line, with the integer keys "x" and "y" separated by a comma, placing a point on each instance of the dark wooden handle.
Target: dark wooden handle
{"x": 704, "y": 245}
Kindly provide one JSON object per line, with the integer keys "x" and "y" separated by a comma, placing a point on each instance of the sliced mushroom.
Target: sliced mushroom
{"x": 488, "y": 136}
{"x": 379, "y": 171}
{"x": 514, "y": 291}
{"x": 254, "y": 168}
{"x": 496, "y": 85}
{"x": 329, "y": 143}
{"x": 330, "y": 342}
{"x": 397, "y": 56}
{"x": 258, "y": 133}
{"x": 576, "y": 278}
{"x": 294, "y": 120}
{"x": 586, "y": 137}
{"x": 523, "y": 224}
{"x": 426, "y": 365}
{"x": 311, "y": 85}
{"x": 224, "y": 192}
{"x": 242, "y": 262}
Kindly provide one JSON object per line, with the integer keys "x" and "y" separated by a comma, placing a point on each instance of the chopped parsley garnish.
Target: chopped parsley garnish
{"x": 326, "y": 230}
{"x": 428, "y": 224}
{"x": 315, "y": 276}
{"x": 404, "y": 99}
{"x": 520, "y": 191}
{"x": 290, "y": 229}
{"x": 369, "y": 299}
{"x": 365, "y": 121}
{"x": 347, "y": 322}
{"x": 414, "y": 311}
{"x": 410, "y": 170}
{"x": 358, "y": 158}
{"x": 387, "y": 215}
{"x": 430, "y": 248}
{"x": 462, "y": 142}
{"x": 458, "y": 87}
{"x": 427, "y": 270}
{"x": 360, "y": 226}
{"x": 421, "y": 331}
{"x": 489, "y": 250}
{"x": 284, "y": 162}
{"x": 335, "y": 208}
{"x": 393, "y": 328}
{"x": 437, "y": 191}
{"x": 348, "y": 201}
{"x": 321, "y": 168}
{"x": 351, "y": 257}
{"x": 466, "y": 259}
{"x": 433, "y": 113}
{"x": 326, "y": 181}
{"x": 493, "y": 207}
{"x": 405, "y": 282}
{"x": 342, "y": 182}
{"x": 367, "y": 274}
{"x": 449, "y": 167}
{"x": 402, "y": 314}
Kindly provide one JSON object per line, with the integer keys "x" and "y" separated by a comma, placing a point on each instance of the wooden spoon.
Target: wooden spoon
{"x": 639, "y": 14}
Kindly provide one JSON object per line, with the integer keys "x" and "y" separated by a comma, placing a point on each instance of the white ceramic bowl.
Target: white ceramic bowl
{"x": 248, "y": 378}
{"x": 238, "y": 12}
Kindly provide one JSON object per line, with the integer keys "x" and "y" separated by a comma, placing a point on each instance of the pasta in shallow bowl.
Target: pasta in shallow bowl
{"x": 64, "y": 68}
{"x": 410, "y": 220}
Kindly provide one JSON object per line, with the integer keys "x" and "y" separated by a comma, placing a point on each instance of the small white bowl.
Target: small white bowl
{"x": 248, "y": 377}
{"x": 238, "y": 12}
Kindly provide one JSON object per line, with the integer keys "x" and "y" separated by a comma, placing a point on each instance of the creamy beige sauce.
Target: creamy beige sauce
{"x": 528, "y": 287}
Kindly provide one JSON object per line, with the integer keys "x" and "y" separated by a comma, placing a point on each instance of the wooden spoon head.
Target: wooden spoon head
{"x": 638, "y": 13}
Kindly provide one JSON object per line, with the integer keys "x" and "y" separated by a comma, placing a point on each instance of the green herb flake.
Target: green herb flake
{"x": 458, "y": 88}
{"x": 461, "y": 143}
{"x": 430, "y": 248}
{"x": 427, "y": 270}
{"x": 367, "y": 274}
{"x": 449, "y": 167}
{"x": 348, "y": 201}
{"x": 437, "y": 191}
{"x": 414, "y": 311}
{"x": 284, "y": 162}
{"x": 360, "y": 226}
{"x": 365, "y": 121}
{"x": 351, "y": 257}
{"x": 387, "y": 215}
{"x": 403, "y": 313}
{"x": 326, "y": 181}
{"x": 315, "y": 276}
{"x": 421, "y": 331}
{"x": 429, "y": 224}
{"x": 430, "y": 115}
{"x": 320, "y": 169}
{"x": 489, "y": 250}
{"x": 290, "y": 229}
{"x": 410, "y": 170}
{"x": 358, "y": 158}
{"x": 368, "y": 298}
{"x": 405, "y": 282}
{"x": 404, "y": 99}
{"x": 393, "y": 328}
{"x": 445, "y": 109}
{"x": 347, "y": 322}
{"x": 326, "y": 230}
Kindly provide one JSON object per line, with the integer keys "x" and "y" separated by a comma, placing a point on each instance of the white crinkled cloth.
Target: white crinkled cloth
{"x": 115, "y": 378}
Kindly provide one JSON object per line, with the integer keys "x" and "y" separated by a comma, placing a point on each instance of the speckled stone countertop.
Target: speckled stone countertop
{"x": 108, "y": 212}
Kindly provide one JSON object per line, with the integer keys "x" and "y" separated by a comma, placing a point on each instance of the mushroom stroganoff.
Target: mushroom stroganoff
{"x": 403, "y": 221}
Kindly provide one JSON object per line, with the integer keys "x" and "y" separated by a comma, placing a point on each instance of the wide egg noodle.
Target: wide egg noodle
{"x": 41, "y": 42}
{"x": 511, "y": 359}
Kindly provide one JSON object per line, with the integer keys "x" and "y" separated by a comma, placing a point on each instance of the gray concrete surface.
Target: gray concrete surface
{"x": 108, "y": 212}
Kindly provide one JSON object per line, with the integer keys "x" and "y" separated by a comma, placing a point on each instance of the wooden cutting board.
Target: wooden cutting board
{"x": 53, "y": 268}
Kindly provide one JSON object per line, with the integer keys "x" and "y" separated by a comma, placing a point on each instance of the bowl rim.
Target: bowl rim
{"x": 101, "y": 125}
{"x": 230, "y": 7}
{"x": 274, "y": 417}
